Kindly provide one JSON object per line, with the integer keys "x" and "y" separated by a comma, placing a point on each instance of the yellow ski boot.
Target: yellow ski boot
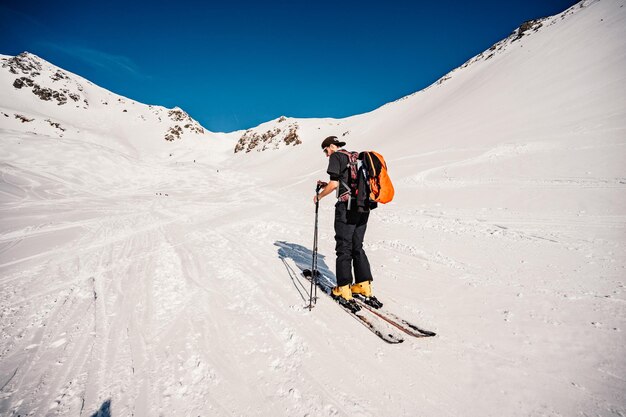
{"x": 343, "y": 296}
{"x": 363, "y": 291}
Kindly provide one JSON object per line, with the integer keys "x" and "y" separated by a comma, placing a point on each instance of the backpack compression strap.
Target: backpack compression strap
{"x": 352, "y": 165}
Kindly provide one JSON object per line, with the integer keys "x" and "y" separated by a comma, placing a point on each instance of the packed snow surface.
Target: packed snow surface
{"x": 149, "y": 276}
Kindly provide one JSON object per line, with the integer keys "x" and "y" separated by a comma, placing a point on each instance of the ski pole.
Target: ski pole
{"x": 314, "y": 258}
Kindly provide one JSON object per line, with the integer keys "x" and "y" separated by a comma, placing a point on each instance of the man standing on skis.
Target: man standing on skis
{"x": 350, "y": 226}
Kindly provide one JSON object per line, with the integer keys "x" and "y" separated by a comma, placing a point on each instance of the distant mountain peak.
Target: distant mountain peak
{"x": 43, "y": 79}
{"x": 271, "y": 135}
{"x": 39, "y": 97}
{"x": 24, "y": 63}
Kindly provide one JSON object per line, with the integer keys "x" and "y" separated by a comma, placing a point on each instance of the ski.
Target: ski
{"x": 371, "y": 322}
{"x": 384, "y": 334}
{"x": 398, "y": 322}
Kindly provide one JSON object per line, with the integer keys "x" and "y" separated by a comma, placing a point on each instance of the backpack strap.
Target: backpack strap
{"x": 352, "y": 165}
{"x": 372, "y": 167}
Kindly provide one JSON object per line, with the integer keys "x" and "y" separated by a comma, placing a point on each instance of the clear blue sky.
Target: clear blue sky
{"x": 234, "y": 64}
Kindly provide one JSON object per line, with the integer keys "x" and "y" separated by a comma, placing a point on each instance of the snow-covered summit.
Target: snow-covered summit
{"x": 28, "y": 69}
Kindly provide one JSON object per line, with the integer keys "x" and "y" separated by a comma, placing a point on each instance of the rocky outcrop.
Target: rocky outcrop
{"x": 23, "y": 82}
{"x": 31, "y": 68}
{"x": 48, "y": 94}
{"x": 269, "y": 139}
{"x": 23, "y": 118}
{"x": 59, "y": 75}
{"x": 55, "y": 124}
{"x": 526, "y": 27}
{"x": 23, "y": 63}
{"x": 173, "y": 133}
{"x": 179, "y": 115}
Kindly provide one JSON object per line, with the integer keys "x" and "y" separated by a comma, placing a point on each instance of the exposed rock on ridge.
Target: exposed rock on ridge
{"x": 262, "y": 140}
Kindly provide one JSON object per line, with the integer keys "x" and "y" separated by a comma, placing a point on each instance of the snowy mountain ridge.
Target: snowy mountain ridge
{"x": 528, "y": 33}
{"x": 29, "y": 73}
{"x": 527, "y": 28}
{"x": 41, "y": 98}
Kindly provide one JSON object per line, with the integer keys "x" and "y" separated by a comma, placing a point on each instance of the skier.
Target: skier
{"x": 350, "y": 226}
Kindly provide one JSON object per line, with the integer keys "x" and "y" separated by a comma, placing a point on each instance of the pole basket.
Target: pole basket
{"x": 311, "y": 274}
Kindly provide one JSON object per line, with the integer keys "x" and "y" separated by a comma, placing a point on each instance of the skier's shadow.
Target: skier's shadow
{"x": 302, "y": 257}
{"x": 104, "y": 411}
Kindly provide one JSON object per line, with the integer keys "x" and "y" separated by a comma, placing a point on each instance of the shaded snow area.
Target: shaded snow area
{"x": 153, "y": 277}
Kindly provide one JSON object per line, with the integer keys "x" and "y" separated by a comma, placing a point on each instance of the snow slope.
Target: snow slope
{"x": 135, "y": 283}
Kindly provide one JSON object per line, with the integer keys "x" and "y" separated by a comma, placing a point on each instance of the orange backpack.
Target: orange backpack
{"x": 381, "y": 188}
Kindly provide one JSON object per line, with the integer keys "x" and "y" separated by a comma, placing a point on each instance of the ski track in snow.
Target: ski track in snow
{"x": 165, "y": 305}
{"x": 134, "y": 299}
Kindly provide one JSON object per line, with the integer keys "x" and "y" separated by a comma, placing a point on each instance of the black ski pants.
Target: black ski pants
{"x": 350, "y": 229}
